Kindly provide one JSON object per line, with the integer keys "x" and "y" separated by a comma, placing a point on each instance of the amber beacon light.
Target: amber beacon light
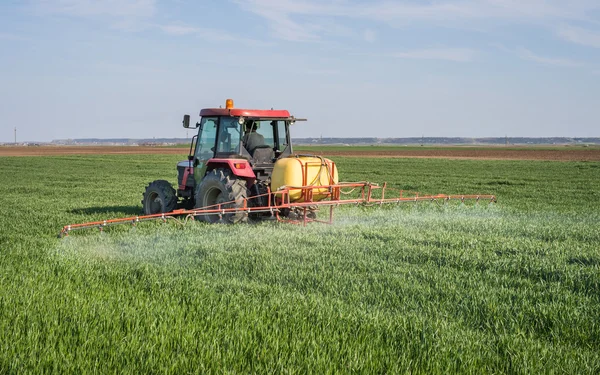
{"x": 229, "y": 103}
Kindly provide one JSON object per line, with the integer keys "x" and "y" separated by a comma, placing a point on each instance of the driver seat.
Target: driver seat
{"x": 263, "y": 155}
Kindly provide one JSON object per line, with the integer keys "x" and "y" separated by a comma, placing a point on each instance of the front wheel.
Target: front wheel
{"x": 220, "y": 186}
{"x": 159, "y": 197}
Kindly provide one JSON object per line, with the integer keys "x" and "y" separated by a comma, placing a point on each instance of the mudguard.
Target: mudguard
{"x": 239, "y": 167}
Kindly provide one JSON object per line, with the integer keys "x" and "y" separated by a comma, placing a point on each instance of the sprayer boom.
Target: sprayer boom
{"x": 279, "y": 202}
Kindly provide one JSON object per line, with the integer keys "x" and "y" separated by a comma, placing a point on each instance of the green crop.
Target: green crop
{"x": 419, "y": 288}
{"x": 359, "y": 149}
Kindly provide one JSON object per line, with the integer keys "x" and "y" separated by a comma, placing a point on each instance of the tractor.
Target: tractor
{"x": 240, "y": 166}
{"x": 230, "y": 162}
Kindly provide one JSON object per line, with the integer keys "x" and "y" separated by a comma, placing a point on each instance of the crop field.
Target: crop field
{"x": 419, "y": 288}
{"x": 541, "y": 152}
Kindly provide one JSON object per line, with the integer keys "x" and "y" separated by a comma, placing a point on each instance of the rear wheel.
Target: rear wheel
{"x": 159, "y": 197}
{"x": 220, "y": 186}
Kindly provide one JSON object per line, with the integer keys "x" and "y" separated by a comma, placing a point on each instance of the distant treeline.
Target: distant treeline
{"x": 354, "y": 141}
{"x": 448, "y": 141}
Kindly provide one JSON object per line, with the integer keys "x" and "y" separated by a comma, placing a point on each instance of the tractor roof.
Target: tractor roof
{"x": 238, "y": 112}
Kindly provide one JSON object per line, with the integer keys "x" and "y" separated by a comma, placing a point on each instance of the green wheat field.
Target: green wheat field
{"x": 419, "y": 288}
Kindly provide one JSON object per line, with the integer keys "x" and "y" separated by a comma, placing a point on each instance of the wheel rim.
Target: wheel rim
{"x": 214, "y": 197}
{"x": 211, "y": 197}
{"x": 155, "y": 203}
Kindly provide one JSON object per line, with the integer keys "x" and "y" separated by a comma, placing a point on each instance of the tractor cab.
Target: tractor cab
{"x": 248, "y": 141}
{"x": 255, "y": 142}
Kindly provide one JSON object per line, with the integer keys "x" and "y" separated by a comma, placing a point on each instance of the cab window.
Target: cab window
{"x": 265, "y": 130}
{"x": 281, "y": 135}
{"x": 228, "y": 140}
{"x": 206, "y": 139}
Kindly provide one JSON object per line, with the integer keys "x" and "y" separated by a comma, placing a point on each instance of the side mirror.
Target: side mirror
{"x": 186, "y": 121}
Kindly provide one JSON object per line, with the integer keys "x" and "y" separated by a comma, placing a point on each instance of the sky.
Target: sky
{"x": 381, "y": 68}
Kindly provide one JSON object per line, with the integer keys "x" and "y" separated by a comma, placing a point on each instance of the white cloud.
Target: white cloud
{"x": 369, "y": 35}
{"x": 526, "y": 54}
{"x": 128, "y": 15}
{"x": 281, "y": 24}
{"x": 94, "y": 8}
{"x": 322, "y": 72}
{"x": 13, "y": 37}
{"x": 445, "y": 54}
{"x": 536, "y": 9}
{"x": 132, "y": 15}
{"x": 107, "y": 66}
{"x": 296, "y": 19}
{"x": 178, "y": 29}
{"x": 579, "y": 35}
{"x": 211, "y": 35}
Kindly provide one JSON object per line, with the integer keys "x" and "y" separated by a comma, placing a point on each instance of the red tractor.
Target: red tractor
{"x": 231, "y": 159}
{"x": 240, "y": 165}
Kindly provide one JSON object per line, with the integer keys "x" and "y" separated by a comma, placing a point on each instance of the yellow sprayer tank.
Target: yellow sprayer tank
{"x": 297, "y": 171}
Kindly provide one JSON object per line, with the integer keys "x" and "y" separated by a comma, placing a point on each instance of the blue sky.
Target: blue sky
{"x": 406, "y": 68}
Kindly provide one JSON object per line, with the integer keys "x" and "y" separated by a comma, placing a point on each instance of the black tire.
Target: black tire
{"x": 186, "y": 203}
{"x": 159, "y": 197}
{"x": 298, "y": 213}
{"x": 220, "y": 186}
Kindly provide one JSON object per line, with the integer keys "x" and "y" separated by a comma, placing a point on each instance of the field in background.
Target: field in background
{"x": 549, "y": 152}
{"x": 513, "y": 287}
{"x": 546, "y": 152}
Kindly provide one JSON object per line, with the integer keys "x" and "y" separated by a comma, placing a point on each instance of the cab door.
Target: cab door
{"x": 283, "y": 146}
{"x": 205, "y": 146}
